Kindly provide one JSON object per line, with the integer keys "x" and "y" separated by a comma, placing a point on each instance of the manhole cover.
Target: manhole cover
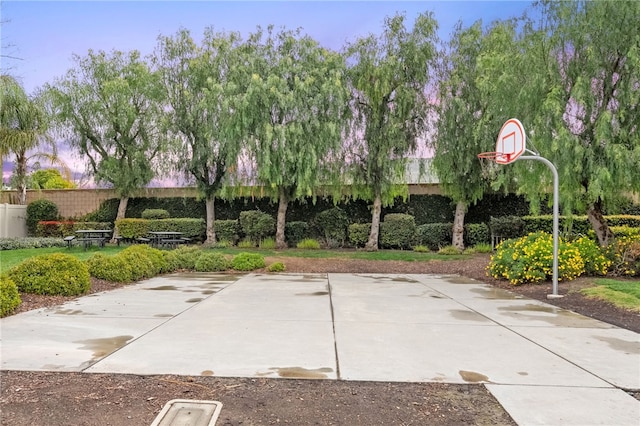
{"x": 185, "y": 412}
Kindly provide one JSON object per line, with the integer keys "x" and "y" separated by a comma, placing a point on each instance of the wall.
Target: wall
{"x": 13, "y": 221}
{"x": 74, "y": 203}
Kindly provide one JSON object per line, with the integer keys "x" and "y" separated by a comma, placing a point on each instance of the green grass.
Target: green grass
{"x": 622, "y": 293}
{"x": 10, "y": 258}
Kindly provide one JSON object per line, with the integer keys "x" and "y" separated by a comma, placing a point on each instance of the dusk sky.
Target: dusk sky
{"x": 45, "y": 34}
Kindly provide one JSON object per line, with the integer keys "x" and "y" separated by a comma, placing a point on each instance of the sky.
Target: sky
{"x": 44, "y": 35}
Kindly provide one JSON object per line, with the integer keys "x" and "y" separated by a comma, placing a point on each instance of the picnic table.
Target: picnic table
{"x": 166, "y": 239}
{"x": 88, "y": 237}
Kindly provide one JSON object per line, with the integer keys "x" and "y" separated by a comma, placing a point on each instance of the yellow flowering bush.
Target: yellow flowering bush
{"x": 625, "y": 255}
{"x": 595, "y": 261}
{"x": 530, "y": 260}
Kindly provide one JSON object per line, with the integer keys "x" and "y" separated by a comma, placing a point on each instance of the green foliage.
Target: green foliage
{"x": 155, "y": 214}
{"x": 624, "y": 294}
{"x": 246, "y": 244}
{"x": 40, "y": 210}
{"x": 359, "y": 234}
{"x": 434, "y": 235}
{"x": 333, "y": 224}
{"x": 183, "y": 257}
{"x": 154, "y": 255}
{"x": 625, "y": 256}
{"x": 421, "y": 249}
{"x": 530, "y": 260}
{"x": 142, "y": 266}
{"x": 9, "y": 296}
{"x": 308, "y": 244}
{"x": 132, "y": 228}
{"x": 449, "y": 250}
{"x": 248, "y": 262}
{"x": 267, "y": 244}
{"x": 276, "y": 267}
{"x": 295, "y": 231}
{"x": 595, "y": 261}
{"x": 111, "y": 268}
{"x": 52, "y": 274}
{"x": 50, "y": 179}
{"x": 257, "y": 225}
{"x": 476, "y": 233}
{"x": 30, "y": 243}
{"x": 227, "y": 230}
{"x": 398, "y": 231}
{"x": 507, "y": 226}
{"x": 107, "y": 211}
{"x": 135, "y": 228}
{"x": 483, "y": 248}
{"x": 210, "y": 261}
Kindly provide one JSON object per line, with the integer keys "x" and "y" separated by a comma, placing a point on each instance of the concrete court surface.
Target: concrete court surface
{"x": 545, "y": 365}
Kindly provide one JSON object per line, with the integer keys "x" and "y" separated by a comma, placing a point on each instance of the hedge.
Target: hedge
{"x": 398, "y": 231}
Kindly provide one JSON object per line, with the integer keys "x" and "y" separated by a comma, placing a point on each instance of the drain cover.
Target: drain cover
{"x": 185, "y": 412}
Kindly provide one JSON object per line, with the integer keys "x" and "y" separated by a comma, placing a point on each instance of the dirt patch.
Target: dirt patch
{"x": 37, "y": 398}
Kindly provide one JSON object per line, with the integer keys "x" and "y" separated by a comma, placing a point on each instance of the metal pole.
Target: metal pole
{"x": 556, "y": 216}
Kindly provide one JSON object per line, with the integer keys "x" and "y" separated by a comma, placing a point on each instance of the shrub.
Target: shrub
{"x": 506, "y": 226}
{"x": 248, "y": 262}
{"x": 257, "y": 225}
{"x": 246, "y": 244}
{"x": 308, "y": 244}
{"x": 276, "y": 267}
{"x": 397, "y": 231}
{"x": 155, "y": 214}
{"x": 154, "y": 255}
{"x": 595, "y": 262}
{"x": 209, "y": 261}
{"x": 54, "y": 228}
{"x": 52, "y": 274}
{"x": 530, "y": 259}
{"x": 40, "y": 210}
{"x": 30, "y": 242}
{"x": 222, "y": 244}
{"x": 483, "y": 248}
{"x": 421, "y": 249}
{"x": 9, "y": 296}
{"x": 111, "y": 268}
{"x": 476, "y": 233}
{"x": 227, "y": 230}
{"x": 449, "y": 250}
{"x": 141, "y": 266}
{"x": 268, "y": 244}
{"x": 624, "y": 254}
{"x": 434, "y": 235}
{"x": 359, "y": 234}
{"x": 184, "y": 257}
{"x": 295, "y": 231}
{"x": 333, "y": 224}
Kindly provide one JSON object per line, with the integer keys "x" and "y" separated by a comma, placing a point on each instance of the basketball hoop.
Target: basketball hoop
{"x": 490, "y": 161}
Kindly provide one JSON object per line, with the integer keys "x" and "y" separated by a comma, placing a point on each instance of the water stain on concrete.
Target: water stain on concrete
{"x": 530, "y": 307}
{"x": 163, "y": 288}
{"x": 459, "y": 280}
{"x": 105, "y": 346}
{"x": 523, "y": 373}
{"x": 300, "y": 373}
{"x": 163, "y": 315}
{"x": 70, "y": 312}
{"x": 631, "y": 348}
{"x": 473, "y": 377}
{"x": 496, "y": 293}
{"x": 435, "y": 296}
{"x": 404, "y": 280}
{"x": 557, "y": 316}
{"x": 461, "y": 314}
{"x": 209, "y": 292}
{"x": 194, "y": 300}
{"x": 316, "y": 293}
{"x": 207, "y": 373}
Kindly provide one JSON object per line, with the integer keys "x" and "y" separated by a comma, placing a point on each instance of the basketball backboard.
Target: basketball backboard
{"x": 511, "y": 142}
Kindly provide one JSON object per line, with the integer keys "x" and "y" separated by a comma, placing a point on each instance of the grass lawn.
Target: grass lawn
{"x": 10, "y": 258}
{"x": 622, "y": 293}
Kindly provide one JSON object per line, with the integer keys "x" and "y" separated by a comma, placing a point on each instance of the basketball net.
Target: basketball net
{"x": 490, "y": 163}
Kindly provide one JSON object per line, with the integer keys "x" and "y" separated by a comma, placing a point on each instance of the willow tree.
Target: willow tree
{"x": 292, "y": 115}
{"x": 24, "y": 126}
{"x": 388, "y": 75}
{"x": 110, "y": 105}
{"x": 589, "y": 113}
{"x": 200, "y": 83}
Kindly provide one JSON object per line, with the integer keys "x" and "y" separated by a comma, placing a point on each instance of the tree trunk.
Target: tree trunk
{"x": 372, "y": 244}
{"x": 122, "y": 209}
{"x": 211, "y": 217}
{"x": 599, "y": 224}
{"x": 21, "y": 178}
{"x": 458, "y": 225}
{"x": 283, "y": 203}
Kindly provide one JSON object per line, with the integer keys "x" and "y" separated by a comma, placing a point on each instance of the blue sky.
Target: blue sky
{"x": 46, "y": 34}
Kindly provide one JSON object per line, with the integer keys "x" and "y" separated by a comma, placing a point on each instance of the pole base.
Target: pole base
{"x": 555, "y": 296}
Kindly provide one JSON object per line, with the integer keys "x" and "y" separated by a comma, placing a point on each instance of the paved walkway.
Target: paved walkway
{"x": 544, "y": 365}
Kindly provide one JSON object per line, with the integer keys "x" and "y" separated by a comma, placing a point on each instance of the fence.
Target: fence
{"x": 13, "y": 221}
